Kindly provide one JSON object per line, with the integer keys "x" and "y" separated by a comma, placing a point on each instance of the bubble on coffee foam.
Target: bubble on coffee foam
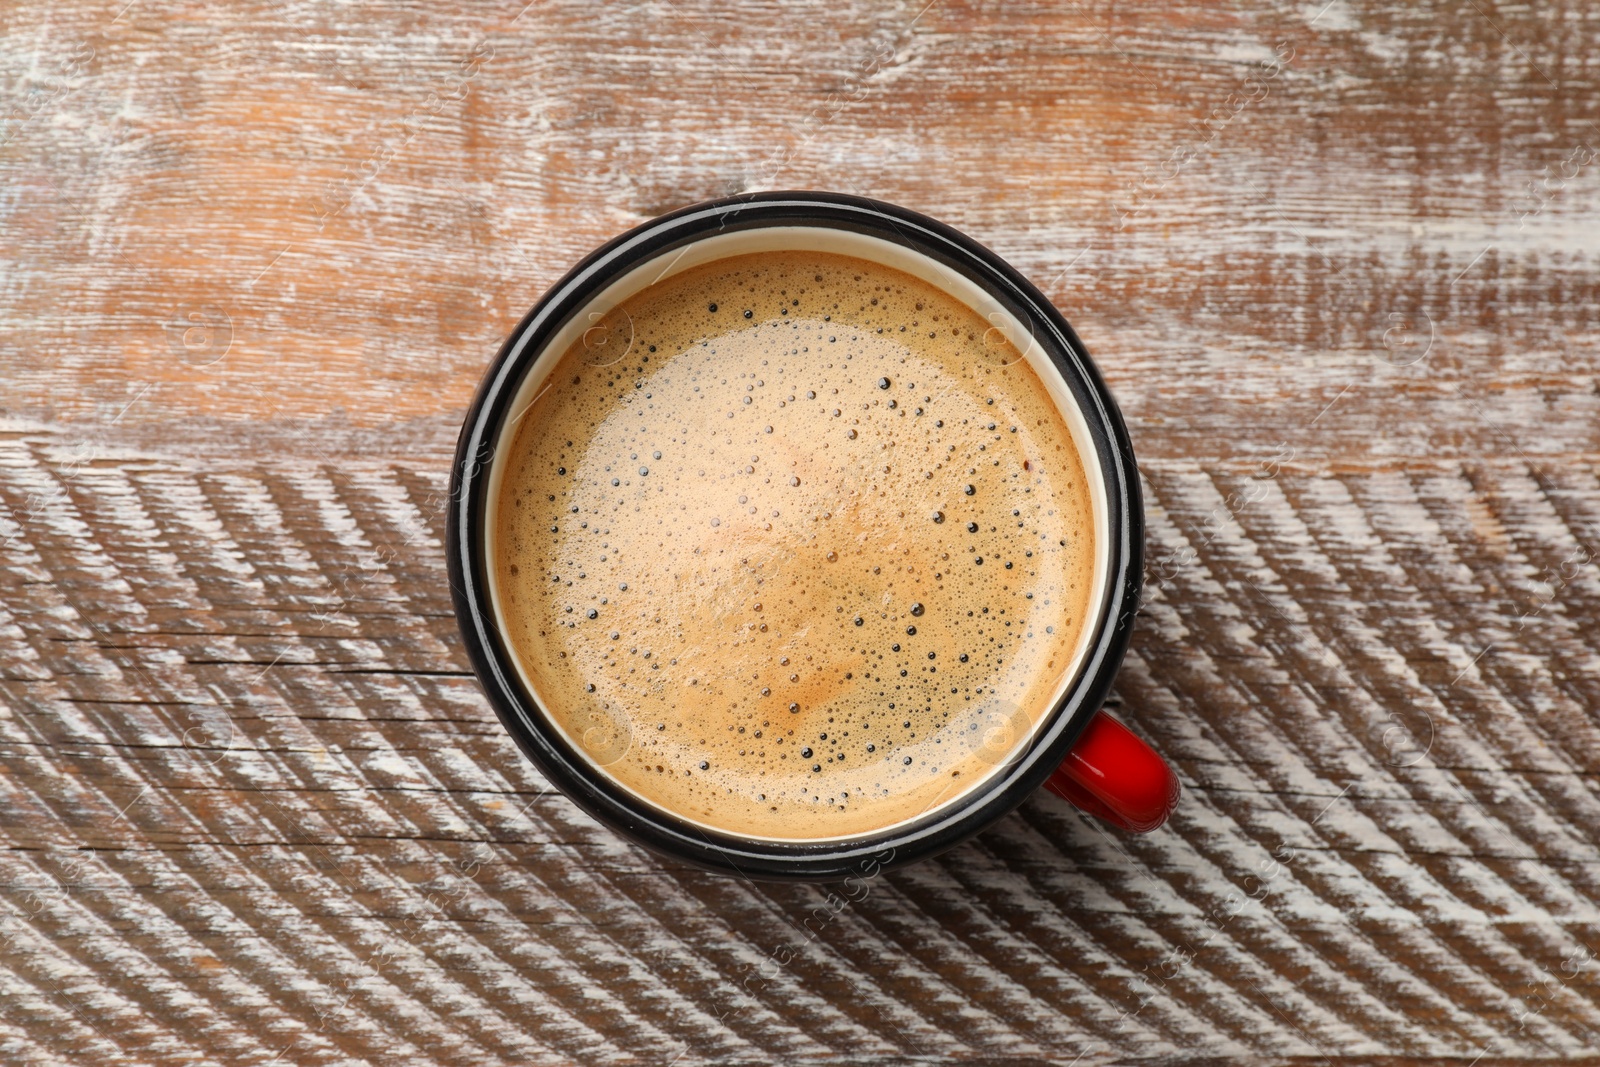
{"x": 801, "y": 641}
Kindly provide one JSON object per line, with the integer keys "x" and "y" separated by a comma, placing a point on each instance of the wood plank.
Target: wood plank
{"x": 243, "y": 822}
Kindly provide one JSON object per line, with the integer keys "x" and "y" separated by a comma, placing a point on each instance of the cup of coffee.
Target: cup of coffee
{"x": 795, "y": 535}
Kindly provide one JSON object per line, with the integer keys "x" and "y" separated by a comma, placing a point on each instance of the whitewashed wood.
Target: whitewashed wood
{"x": 253, "y": 808}
{"x": 240, "y": 885}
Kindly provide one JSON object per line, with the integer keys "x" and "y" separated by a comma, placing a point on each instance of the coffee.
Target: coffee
{"x": 794, "y": 545}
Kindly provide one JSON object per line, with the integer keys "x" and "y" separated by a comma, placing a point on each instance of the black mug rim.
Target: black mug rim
{"x": 608, "y": 801}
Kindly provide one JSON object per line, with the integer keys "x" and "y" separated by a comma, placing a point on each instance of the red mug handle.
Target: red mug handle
{"x": 1112, "y": 774}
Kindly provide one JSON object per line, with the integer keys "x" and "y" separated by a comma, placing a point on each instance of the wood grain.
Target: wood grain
{"x": 1336, "y": 262}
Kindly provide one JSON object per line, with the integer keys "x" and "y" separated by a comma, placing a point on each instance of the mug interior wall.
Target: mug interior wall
{"x": 839, "y": 242}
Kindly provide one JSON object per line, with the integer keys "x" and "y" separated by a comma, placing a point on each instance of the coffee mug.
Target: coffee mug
{"x": 1073, "y": 747}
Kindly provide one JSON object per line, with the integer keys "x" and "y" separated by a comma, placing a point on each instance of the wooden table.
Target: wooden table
{"x": 1338, "y": 263}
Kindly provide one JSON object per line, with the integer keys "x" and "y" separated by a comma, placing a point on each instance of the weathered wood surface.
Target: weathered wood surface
{"x": 1337, "y": 262}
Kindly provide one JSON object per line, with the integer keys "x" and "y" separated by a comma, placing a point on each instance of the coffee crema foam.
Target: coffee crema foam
{"x": 794, "y": 545}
